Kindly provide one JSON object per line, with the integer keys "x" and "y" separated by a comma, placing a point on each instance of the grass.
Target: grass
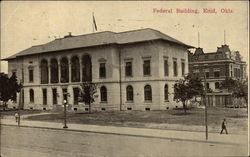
{"x": 168, "y": 119}
{"x": 11, "y": 112}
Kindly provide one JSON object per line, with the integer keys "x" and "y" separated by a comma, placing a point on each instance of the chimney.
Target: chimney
{"x": 67, "y": 36}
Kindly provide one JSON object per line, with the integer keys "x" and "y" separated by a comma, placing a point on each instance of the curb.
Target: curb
{"x": 124, "y": 134}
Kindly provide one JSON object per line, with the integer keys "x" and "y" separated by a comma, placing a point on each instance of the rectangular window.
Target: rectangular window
{"x": 216, "y": 74}
{"x": 146, "y": 67}
{"x": 207, "y": 86}
{"x": 128, "y": 69}
{"x": 54, "y": 92}
{"x": 175, "y": 68}
{"x": 44, "y": 96}
{"x": 31, "y": 76}
{"x": 182, "y": 68}
{"x": 102, "y": 70}
{"x": 207, "y": 74}
{"x": 65, "y": 95}
{"x": 76, "y": 95}
{"x": 166, "y": 70}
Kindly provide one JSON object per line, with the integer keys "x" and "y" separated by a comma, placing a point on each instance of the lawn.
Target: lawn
{"x": 11, "y": 112}
{"x": 168, "y": 119}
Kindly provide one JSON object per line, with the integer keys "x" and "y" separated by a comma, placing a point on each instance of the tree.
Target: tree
{"x": 238, "y": 88}
{"x": 228, "y": 84}
{"x": 88, "y": 91}
{"x": 242, "y": 90}
{"x": 8, "y": 88}
{"x": 185, "y": 89}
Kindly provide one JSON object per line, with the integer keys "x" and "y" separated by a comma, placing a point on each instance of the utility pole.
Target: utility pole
{"x": 205, "y": 104}
{"x": 20, "y": 103}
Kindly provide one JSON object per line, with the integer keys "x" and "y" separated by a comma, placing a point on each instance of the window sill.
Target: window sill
{"x": 129, "y": 101}
{"x": 103, "y": 102}
{"x": 166, "y": 100}
{"x": 129, "y": 76}
{"x": 148, "y": 101}
{"x": 147, "y": 75}
{"x": 102, "y": 77}
{"x": 53, "y": 82}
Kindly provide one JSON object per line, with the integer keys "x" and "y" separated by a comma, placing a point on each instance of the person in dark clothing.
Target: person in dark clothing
{"x": 223, "y": 126}
{"x": 16, "y": 116}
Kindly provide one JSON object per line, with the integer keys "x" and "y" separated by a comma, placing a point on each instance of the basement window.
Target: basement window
{"x": 129, "y": 108}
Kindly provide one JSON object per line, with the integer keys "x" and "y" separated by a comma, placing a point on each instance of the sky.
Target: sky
{"x": 26, "y": 23}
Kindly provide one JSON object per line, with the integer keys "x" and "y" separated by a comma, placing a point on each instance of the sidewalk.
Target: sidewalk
{"x": 139, "y": 132}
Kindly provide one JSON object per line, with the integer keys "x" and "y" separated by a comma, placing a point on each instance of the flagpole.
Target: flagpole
{"x": 93, "y": 22}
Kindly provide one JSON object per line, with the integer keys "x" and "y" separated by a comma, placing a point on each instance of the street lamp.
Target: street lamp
{"x": 65, "y": 111}
{"x": 65, "y": 114}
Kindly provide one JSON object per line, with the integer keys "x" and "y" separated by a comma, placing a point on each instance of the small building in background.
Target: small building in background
{"x": 216, "y": 66}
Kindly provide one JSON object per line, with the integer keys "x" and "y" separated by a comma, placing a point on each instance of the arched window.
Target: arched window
{"x": 86, "y": 68}
{"x": 44, "y": 72}
{"x": 54, "y": 71}
{"x": 64, "y": 70}
{"x": 166, "y": 92}
{"x": 130, "y": 95}
{"x": 103, "y": 94}
{"x": 147, "y": 93}
{"x": 75, "y": 69}
{"x": 31, "y": 96}
{"x": 217, "y": 85}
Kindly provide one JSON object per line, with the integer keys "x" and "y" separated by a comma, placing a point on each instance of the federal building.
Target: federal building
{"x": 134, "y": 70}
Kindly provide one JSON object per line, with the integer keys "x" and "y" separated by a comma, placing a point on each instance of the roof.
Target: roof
{"x": 97, "y": 39}
{"x": 198, "y": 51}
{"x": 222, "y": 53}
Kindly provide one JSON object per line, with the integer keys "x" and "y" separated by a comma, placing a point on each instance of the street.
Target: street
{"x": 26, "y": 141}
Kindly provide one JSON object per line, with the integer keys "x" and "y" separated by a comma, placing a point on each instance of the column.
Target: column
{"x": 69, "y": 60}
{"x": 49, "y": 72}
{"x": 59, "y": 71}
{"x": 214, "y": 101}
{"x": 71, "y": 95}
{"x": 59, "y": 96}
{"x": 39, "y": 71}
{"x": 80, "y": 61}
{"x": 49, "y": 98}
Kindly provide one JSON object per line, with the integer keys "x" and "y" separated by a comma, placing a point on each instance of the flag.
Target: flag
{"x": 95, "y": 26}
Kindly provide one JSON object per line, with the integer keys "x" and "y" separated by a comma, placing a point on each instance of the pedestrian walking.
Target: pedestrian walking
{"x": 223, "y": 126}
{"x": 16, "y": 116}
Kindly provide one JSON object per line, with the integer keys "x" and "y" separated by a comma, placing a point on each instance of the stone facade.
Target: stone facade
{"x": 47, "y": 75}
